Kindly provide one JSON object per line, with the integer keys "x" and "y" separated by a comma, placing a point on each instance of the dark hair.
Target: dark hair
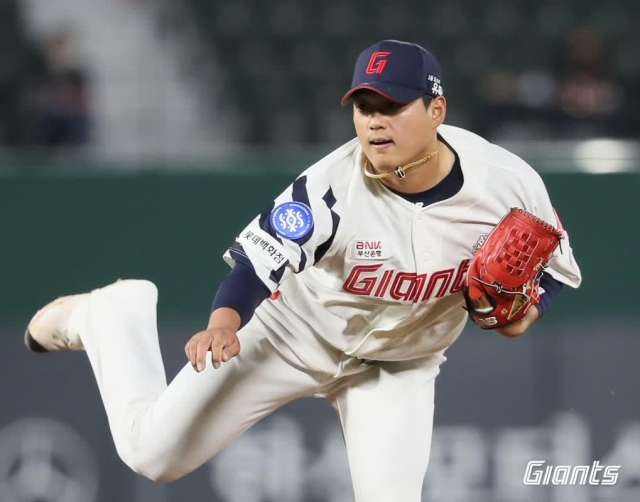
{"x": 426, "y": 99}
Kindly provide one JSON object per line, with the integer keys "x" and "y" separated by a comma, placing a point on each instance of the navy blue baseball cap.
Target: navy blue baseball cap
{"x": 400, "y": 71}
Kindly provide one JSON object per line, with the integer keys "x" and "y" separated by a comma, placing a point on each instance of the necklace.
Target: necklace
{"x": 400, "y": 171}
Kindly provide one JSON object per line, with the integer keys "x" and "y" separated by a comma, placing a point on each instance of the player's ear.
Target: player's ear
{"x": 438, "y": 110}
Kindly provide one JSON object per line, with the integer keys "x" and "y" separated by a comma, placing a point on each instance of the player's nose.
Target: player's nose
{"x": 376, "y": 121}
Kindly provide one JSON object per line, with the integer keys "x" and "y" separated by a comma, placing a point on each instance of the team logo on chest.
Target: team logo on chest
{"x": 368, "y": 250}
{"x": 375, "y": 280}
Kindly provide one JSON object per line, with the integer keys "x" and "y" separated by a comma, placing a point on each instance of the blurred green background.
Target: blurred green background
{"x": 65, "y": 234}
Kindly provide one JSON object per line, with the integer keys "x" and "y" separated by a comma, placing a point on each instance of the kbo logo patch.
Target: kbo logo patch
{"x": 292, "y": 220}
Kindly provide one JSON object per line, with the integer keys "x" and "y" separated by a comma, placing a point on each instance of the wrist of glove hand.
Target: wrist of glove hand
{"x": 513, "y": 328}
{"x": 518, "y": 327}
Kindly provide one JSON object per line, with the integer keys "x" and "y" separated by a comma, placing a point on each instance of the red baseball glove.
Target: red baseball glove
{"x": 503, "y": 279}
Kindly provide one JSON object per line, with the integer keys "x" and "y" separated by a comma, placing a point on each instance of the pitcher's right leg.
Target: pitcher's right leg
{"x": 164, "y": 432}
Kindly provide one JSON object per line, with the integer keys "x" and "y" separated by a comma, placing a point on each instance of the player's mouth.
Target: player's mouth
{"x": 380, "y": 143}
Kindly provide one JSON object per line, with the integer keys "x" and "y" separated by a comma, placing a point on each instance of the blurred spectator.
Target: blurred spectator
{"x": 585, "y": 90}
{"x": 21, "y": 66}
{"x": 63, "y": 96}
{"x": 575, "y": 98}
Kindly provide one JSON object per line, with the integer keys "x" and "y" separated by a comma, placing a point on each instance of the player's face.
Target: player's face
{"x": 394, "y": 134}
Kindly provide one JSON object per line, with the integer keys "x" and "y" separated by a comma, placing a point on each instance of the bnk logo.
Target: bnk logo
{"x": 377, "y": 63}
{"x": 565, "y": 475}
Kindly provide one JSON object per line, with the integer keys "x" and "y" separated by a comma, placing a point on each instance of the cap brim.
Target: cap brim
{"x": 393, "y": 92}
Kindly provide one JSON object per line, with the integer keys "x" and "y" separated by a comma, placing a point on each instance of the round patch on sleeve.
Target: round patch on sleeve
{"x": 292, "y": 220}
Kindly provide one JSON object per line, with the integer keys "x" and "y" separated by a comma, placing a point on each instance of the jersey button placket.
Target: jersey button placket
{"x": 420, "y": 242}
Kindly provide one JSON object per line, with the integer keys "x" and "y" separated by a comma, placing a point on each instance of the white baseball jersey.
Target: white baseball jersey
{"x": 361, "y": 269}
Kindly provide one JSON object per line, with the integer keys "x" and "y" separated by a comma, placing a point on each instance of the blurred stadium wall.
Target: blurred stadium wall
{"x": 137, "y": 138}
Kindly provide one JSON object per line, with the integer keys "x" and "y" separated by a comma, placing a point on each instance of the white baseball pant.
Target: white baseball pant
{"x": 166, "y": 431}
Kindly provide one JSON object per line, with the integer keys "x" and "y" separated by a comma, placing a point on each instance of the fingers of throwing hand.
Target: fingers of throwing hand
{"x": 216, "y": 350}
{"x": 223, "y": 346}
{"x": 190, "y": 351}
{"x": 203, "y": 346}
{"x": 232, "y": 349}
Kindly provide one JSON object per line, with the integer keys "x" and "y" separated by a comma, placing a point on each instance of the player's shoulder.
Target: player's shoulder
{"x": 337, "y": 167}
{"x": 497, "y": 160}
